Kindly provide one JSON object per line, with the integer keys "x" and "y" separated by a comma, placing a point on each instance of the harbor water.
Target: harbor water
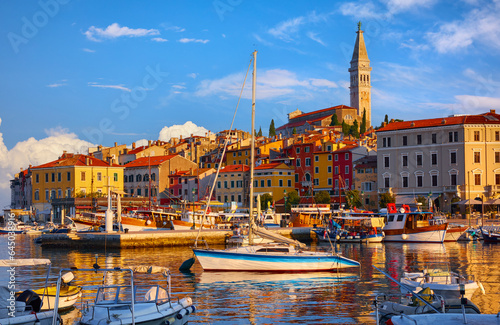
{"x": 269, "y": 298}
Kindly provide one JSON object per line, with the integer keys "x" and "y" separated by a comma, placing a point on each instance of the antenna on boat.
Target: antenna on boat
{"x": 252, "y": 151}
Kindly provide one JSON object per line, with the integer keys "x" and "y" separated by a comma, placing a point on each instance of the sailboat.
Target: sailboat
{"x": 283, "y": 255}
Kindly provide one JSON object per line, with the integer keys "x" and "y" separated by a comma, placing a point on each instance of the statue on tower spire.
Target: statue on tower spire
{"x": 359, "y": 25}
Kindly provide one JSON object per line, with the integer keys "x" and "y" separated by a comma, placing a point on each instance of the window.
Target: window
{"x": 261, "y": 183}
{"x": 145, "y": 192}
{"x": 59, "y": 177}
{"x": 308, "y": 162}
{"x": 46, "y": 195}
{"x": 328, "y": 148}
{"x": 289, "y": 183}
{"x": 477, "y": 157}
{"x": 386, "y": 182}
{"x": 453, "y": 136}
{"x": 225, "y": 184}
{"x": 347, "y": 183}
{"x": 336, "y": 183}
{"x": 336, "y": 170}
{"x": 477, "y": 179}
{"x": 336, "y": 157}
{"x": 153, "y": 177}
{"x": 59, "y": 193}
{"x": 131, "y": 179}
{"x": 37, "y": 178}
{"x": 138, "y": 178}
{"x": 82, "y": 176}
{"x": 232, "y": 184}
{"x": 497, "y": 157}
{"x": 329, "y": 169}
{"x": 298, "y": 162}
{"x": 369, "y": 170}
{"x": 404, "y": 160}
{"x": 99, "y": 176}
{"x": 297, "y": 150}
{"x": 139, "y": 193}
{"x": 347, "y": 169}
{"x": 53, "y": 177}
{"x": 419, "y": 159}
{"x": 296, "y": 178}
{"x": 405, "y": 181}
{"x": 37, "y": 195}
{"x": 52, "y": 194}
{"x": 386, "y": 142}
{"x": 329, "y": 182}
{"x": 316, "y": 158}
{"x": 46, "y": 177}
{"x": 367, "y": 186}
{"x": 145, "y": 177}
{"x": 420, "y": 180}
{"x": 434, "y": 138}
{"x": 497, "y": 135}
{"x": 453, "y": 179}
{"x": 239, "y": 198}
{"x": 386, "y": 161}
{"x": 419, "y": 139}
{"x": 497, "y": 179}
{"x": 268, "y": 183}
{"x": 405, "y": 140}
{"x": 476, "y": 136}
{"x": 280, "y": 182}
{"x": 329, "y": 157}
{"x": 218, "y": 184}
{"x": 434, "y": 158}
{"x": 434, "y": 180}
{"x": 361, "y": 171}
{"x": 316, "y": 182}
{"x": 232, "y": 198}
{"x": 453, "y": 157}
{"x": 316, "y": 170}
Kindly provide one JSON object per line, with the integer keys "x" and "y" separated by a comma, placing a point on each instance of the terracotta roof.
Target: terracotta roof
{"x": 322, "y": 111}
{"x": 149, "y": 161}
{"x": 269, "y": 166}
{"x": 136, "y": 150}
{"x": 74, "y": 160}
{"x": 235, "y": 168}
{"x": 346, "y": 148}
{"x": 291, "y": 125}
{"x": 179, "y": 173}
{"x": 487, "y": 118}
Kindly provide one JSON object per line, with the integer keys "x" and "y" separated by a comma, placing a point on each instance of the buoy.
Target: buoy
{"x": 481, "y": 287}
{"x": 404, "y": 236}
{"x": 338, "y": 237}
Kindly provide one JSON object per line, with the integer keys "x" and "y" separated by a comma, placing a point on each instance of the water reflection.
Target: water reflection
{"x": 255, "y": 298}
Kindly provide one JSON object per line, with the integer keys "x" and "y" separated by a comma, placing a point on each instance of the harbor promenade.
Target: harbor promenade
{"x": 154, "y": 238}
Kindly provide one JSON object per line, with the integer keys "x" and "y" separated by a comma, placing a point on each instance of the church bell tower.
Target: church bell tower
{"x": 360, "y": 78}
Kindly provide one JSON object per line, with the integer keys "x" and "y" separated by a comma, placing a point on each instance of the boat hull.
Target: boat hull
{"x": 68, "y": 296}
{"x": 42, "y": 318}
{"x": 447, "y": 291}
{"x": 454, "y": 233}
{"x": 445, "y": 319}
{"x": 431, "y": 235}
{"x": 229, "y": 260}
{"x": 375, "y": 238}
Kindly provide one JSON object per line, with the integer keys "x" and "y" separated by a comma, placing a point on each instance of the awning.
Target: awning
{"x": 410, "y": 199}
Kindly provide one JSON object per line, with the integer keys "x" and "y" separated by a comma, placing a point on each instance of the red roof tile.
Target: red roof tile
{"x": 149, "y": 161}
{"x": 269, "y": 166}
{"x": 235, "y": 168}
{"x": 74, "y": 160}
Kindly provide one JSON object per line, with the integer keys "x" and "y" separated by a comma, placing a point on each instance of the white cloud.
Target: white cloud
{"x": 56, "y": 85}
{"x": 159, "y": 39}
{"x": 185, "y": 130}
{"x": 192, "y": 75}
{"x": 35, "y": 152}
{"x": 397, "y": 6}
{"x": 289, "y": 29}
{"x": 120, "y": 87}
{"x": 468, "y": 104}
{"x": 176, "y": 29}
{"x": 270, "y": 84}
{"x": 363, "y": 10}
{"x": 89, "y": 50}
{"x": 193, "y": 40}
{"x": 314, "y": 37}
{"x": 114, "y": 30}
{"x": 479, "y": 25}
{"x": 178, "y": 87}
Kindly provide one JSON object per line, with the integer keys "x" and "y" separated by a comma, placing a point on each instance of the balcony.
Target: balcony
{"x": 306, "y": 183}
{"x": 492, "y": 189}
{"x": 385, "y": 190}
{"x": 451, "y": 189}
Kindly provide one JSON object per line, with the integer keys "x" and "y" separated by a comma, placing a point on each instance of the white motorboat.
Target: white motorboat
{"x": 446, "y": 319}
{"x": 26, "y": 308}
{"x": 404, "y": 225}
{"x": 440, "y": 279}
{"x": 118, "y": 304}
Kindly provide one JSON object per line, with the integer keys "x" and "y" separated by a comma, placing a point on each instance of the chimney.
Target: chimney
{"x": 385, "y": 124}
{"x": 492, "y": 111}
{"x": 149, "y": 143}
{"x": 133, "y": 145}
{"x": 116, "y": 144}
{"x": 392, "y": 120}
{"x": 87, "y": 160}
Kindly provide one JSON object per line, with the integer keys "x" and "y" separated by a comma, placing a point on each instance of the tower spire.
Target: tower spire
{"x": 360, "y": 85}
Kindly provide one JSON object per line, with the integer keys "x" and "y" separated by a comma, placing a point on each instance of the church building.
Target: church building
{"x": 360, "y": 98}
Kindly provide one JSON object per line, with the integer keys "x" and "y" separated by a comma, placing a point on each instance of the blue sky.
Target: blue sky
{"x": 80, "y": 72}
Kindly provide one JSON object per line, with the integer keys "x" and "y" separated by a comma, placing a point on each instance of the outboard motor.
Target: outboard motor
{"x": 32, "y": 299}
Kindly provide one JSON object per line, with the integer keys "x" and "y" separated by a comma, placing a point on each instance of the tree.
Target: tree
{"x": 353, "y": 199}
{"x": 264, "y": 201}
{"x": 385, "y": 198}
{"x": 345, "y": 128}
{"x": 259, "y": 134}
{"x": 421, "y": 199}
{"x": 272, "y": 130}
{"x": 322, "y": 197}
{"x": 386, "y": 119}
{"x": 335, "y": 120}
{"x": 362, "y": 127}
{"x": 294, "y": 131}
{"x": 292, "y": 198}
{"x": 354, "y": 129}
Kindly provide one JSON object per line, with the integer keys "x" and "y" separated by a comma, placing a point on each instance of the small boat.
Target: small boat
{"x": 240, "y": 237}
{"x": 68, "y": 294}
{"x": 123, "y": 304}
{"x": 445, "y": 319}
{"x": 490, "y": 234}
{"x": 25, "y": 309}
{"x": 309, "y": 215}
{"x": 404, "y": 225}
{"x": 353, "y": 228}
{"x": 440, "y": 279}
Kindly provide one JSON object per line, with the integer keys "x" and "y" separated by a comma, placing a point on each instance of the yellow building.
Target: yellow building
{"x": 273, "y": 179}
{"x": 323, "y": 173}
{"x": 73, "y": 175}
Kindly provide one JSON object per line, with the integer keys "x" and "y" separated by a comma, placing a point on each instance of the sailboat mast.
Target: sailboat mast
{"x": 252, "y": 149}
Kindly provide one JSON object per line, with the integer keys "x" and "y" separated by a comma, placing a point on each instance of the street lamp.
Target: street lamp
{"x": 284, "y": 197}
{"x": 430, "y": 204}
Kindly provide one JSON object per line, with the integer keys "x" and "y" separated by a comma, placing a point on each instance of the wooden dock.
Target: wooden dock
{"x": 159, "y": 238}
